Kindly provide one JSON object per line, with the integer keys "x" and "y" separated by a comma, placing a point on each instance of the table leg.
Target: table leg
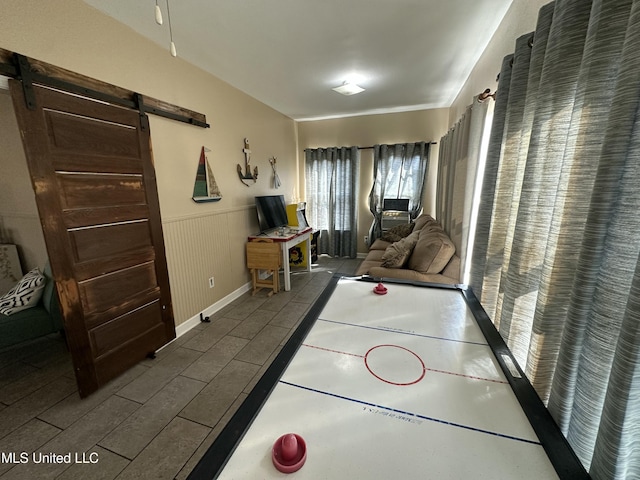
{"x": 285, "y": 264}
{"x": 309, "y": 253}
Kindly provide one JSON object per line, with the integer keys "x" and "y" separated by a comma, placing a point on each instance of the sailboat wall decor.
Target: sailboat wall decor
{"x": 205, "y": 188}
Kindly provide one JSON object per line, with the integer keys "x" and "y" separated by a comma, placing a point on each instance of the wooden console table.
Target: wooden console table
{"x": 289, "y": 238}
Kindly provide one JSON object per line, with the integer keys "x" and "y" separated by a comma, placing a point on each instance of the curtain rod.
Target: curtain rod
{"x": 368, "y": 148}
{"x": 486, "y": 94}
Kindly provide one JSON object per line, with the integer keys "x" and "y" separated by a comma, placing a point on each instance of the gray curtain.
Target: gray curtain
{"x": 331, "y": 182}
{"x": 485, "y": 263}
{"x": 460, "y": 161}
{"x": 399, "y": 171}
{"x": 556, "y": 260}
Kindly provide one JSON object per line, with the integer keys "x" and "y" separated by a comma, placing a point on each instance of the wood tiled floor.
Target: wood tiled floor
{"x": 156, "y": 420}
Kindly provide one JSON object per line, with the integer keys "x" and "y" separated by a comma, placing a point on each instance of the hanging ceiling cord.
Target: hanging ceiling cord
{"x": 172, "y": 48}
{"x": 158, "y": 14}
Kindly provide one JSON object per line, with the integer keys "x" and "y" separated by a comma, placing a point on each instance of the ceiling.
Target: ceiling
{"x": 289, "y": 54}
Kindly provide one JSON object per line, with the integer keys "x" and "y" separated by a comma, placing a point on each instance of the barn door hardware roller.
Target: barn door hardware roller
{"x": 24, "y": 74}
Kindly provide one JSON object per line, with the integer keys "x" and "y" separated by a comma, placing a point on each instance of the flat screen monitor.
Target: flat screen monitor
{"x": 400, "y": 204}
{"x": 272, "y": 212}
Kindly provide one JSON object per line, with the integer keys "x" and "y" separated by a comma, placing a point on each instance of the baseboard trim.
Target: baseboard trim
{"x": 184, "y": 327}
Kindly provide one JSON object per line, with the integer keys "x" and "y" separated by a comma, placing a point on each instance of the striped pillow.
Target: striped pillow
{"x": 25, "y": 294}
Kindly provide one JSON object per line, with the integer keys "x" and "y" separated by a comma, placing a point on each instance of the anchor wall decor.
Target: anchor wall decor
{"x": 247, "y": 175}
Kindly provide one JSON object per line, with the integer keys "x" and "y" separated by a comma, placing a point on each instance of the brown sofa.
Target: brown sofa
{"x": 418, "y": 252}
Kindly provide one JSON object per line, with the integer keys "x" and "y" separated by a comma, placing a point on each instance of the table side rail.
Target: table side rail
{"x": 555, "y": 444}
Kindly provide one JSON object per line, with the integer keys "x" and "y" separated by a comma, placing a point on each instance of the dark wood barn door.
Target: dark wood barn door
{"x": 95, "y": 187}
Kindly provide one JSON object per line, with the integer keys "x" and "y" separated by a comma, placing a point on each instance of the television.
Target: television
{"x": 399, "y": 204}
{"x": 272, "y": 212}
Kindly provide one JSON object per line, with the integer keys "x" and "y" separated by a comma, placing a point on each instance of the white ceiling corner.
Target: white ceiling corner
{"x": 407, "y": 54}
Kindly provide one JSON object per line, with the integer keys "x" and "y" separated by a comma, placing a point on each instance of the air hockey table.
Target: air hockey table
{"x": 388, "y": 380}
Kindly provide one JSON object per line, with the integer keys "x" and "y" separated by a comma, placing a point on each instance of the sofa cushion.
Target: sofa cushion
{"x": 432, "y": 227}
{"x": 398, "y": 232}
{"x": 375, "y": 255}
{"x": 397, "y": 254}
{"x": 365, "y": 267}
{"x": 379, "y": 244}
{"x": 25, "y": 294}
{"x": 431, "y": 253}
{"x": 423, "y": 220}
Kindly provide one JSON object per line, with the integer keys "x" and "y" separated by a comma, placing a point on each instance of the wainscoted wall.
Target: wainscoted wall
{"x": 202, "y": 246}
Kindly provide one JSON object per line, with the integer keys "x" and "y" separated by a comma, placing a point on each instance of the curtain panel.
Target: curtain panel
{"x": 399, "y": 171}
{"x": 556, "y": 253}
{"x": 460, "y": 167}
{"x": 331, "y": 182}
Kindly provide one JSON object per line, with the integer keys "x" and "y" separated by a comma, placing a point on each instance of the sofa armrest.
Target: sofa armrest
{"x": 453, "y": 268}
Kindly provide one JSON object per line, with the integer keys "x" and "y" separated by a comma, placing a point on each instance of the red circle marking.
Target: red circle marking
{"x": 389, "y": 381}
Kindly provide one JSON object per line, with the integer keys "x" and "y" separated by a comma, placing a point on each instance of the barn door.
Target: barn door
{"x": 95, "y": 187}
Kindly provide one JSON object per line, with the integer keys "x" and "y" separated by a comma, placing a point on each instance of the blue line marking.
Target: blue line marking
{"x": 422, "y": 417}
{"x": 391, "y": 330}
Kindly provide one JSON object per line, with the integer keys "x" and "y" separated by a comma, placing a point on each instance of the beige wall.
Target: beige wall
{"x": 202, "y": 240}
{"x": 521, "y": 18}
{"x": 207, "y": 240}
{"x": 368, "y": 130}
{"x": 421, "y": 125}
{"x": 19, "y": 220}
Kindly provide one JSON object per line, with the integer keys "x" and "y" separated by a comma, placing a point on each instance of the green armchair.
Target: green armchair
{"x": 34, "y": 322}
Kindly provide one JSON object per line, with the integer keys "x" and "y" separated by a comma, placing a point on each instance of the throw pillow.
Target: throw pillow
{"x": 397, "y": 233}
{"x": 432, "y": 252}
{"x": 397, "y": 254}
{"x": 25, "y": 294}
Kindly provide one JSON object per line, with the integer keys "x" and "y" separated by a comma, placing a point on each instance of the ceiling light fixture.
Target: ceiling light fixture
{"x": 348, "y": 88}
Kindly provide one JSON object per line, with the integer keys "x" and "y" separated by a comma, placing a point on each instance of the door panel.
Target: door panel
{"x": 97, "y": 190}
{"x": 71, "y": 162}
{"x": 108, "y": 241}
{"x": 116, "y": 361}
{"x": 77, "y": 218}
{"x": 92, "y": 173}
{"x": 127, "y": 286}
{"x": 96, "y": 137}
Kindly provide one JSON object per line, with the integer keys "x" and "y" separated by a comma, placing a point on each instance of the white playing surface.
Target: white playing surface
{"x": 395, "y": 386}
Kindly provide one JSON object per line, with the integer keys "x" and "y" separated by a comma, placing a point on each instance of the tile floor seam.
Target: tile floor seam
{"x": 194, "y": 349}
{"x": 200, "y": 423}
{"x": 117, "y": 394}
{"x": 48, "y": 423}
{"x": 110, "y": 451}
